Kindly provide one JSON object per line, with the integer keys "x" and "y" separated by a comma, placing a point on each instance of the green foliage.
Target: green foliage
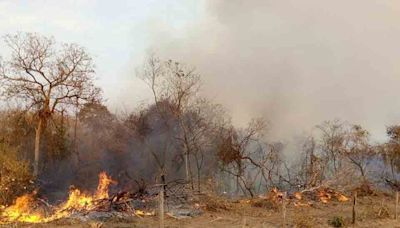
{"x": 15, "y": 175}
{"x": 336, "y": 221}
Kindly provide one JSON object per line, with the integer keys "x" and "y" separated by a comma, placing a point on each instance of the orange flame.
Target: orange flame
{"x": 341, "y": 198}
{"x": 298, "y": 195}
{"x": 23, "y": 209}
{"x": 275, "y": 195}
{"x": 104, "y": 183}
{"x": 324, "y": 196}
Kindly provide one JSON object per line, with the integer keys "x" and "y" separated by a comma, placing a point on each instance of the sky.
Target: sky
{"x": 295, "y": 63}
{"x": 116, "y": 33}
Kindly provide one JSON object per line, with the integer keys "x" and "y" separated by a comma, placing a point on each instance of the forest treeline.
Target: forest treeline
{"x": 56, "y": 131}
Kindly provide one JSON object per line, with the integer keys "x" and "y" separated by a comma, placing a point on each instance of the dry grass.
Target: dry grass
{"x": 303, "y": 221}
{"x": 337, "y": 221}
{"x": 15, "y": 176}
{"x": 215, "y": 204}
{"x": 265, "y": 204}
{"x": 219, "y": 212}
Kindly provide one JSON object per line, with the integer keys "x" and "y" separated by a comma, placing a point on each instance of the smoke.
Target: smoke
{"x": 296, "y": 63}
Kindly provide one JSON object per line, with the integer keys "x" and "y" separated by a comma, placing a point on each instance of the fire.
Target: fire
{"x": 324, "y": 196}
{"x": 141, "y": 213}
{"x": 341, "y": 197}
{"x": 298, "y": 195}
{"x": 104, "y": 183}
{"x": 300, "y": 204}
{"x": 23, "y": 209}
{"x": 275, "y": 195}
{"x": 77, "y": 200}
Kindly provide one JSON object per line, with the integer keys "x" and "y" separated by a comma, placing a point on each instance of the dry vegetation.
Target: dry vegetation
{"x": 57, "y": 135}
{"x": 242, "y": 213}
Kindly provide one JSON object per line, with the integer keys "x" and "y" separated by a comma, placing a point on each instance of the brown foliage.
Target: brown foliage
{"x": 15, "y": 175}
{"x": 265, "y": 203}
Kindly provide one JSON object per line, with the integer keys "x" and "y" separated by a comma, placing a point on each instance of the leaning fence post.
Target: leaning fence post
{"x": 397, "y": 205}
{"x": 284, "y": 209}
{"x": 354, "y": 208}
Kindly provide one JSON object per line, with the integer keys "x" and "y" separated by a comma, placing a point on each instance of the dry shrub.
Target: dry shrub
{"x": 302, "y": 221}
{"x": 376, "y": 212}
{"x": 336, "y": 221}
{"x": 263, "y": 203}
{"x": 365, "y": 189}
{"x": 15, "y": 175}
{"x": 383, "y": 213}
{"x": 214, "y": 204}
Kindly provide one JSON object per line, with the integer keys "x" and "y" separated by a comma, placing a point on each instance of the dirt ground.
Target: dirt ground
{"x": 372, "y": 211}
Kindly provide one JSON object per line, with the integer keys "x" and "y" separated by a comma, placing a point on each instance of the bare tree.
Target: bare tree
{"x": 331, "y": 143}
{"x": 357, "y": 148}
{"x": 310, "y": 170}
{"x": 46, "y": 77}
{"x": 241, "y": 150}
{"x": 391, "y": 150}
{"x": 201, "y": 123}
{"x": 178, "y": 84}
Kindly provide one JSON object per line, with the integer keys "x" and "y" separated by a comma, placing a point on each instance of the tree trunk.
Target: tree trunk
{"x": 190, "y": 173}
{"x": 38, "y": 133}
{"x": 198, "y": 180}
{"x": 187, "y": 166}
{"x": 362, "y": 171}
{"x": 76, "y": 151}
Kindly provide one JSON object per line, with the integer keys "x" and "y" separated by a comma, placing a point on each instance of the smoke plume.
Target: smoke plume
{"x": 296, "y": 63}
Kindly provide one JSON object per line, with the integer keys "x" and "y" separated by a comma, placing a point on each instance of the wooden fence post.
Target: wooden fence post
{"x": 161, "y": 212}
{"x": 162, "y": 196}
{"x": 397, "y": 204}
{"x": 284, "y": 209}
{"x": 354, "y": 208}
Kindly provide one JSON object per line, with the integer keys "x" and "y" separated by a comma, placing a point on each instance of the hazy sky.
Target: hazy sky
{"x": 294, "y": 62}
{"x": 117, "y": 33}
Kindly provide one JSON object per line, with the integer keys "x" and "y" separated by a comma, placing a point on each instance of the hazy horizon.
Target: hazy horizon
{"x": 295, "y": 64}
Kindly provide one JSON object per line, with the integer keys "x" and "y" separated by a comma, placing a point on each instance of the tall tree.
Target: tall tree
{"x": 358, "y": 149}
{"x": 46, "y": 77}
{"x": 332, "y": 137}
{"x": 178, "y": 84}
{"x": 391, "y": 151}
{"x": 241, "y": 150}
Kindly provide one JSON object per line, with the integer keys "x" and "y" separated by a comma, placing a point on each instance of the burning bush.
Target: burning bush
{"x": 15, "y": 175}
{"x": 27, "y": 207}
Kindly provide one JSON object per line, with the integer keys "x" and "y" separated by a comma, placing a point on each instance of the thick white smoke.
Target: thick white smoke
{"x": 297, "y": 63}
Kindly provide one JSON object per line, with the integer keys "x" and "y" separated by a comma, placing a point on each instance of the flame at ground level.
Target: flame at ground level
{"x": 22, "y": 210}
{"x": 25, "y": 210}
{"x": 104, "y": 183}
